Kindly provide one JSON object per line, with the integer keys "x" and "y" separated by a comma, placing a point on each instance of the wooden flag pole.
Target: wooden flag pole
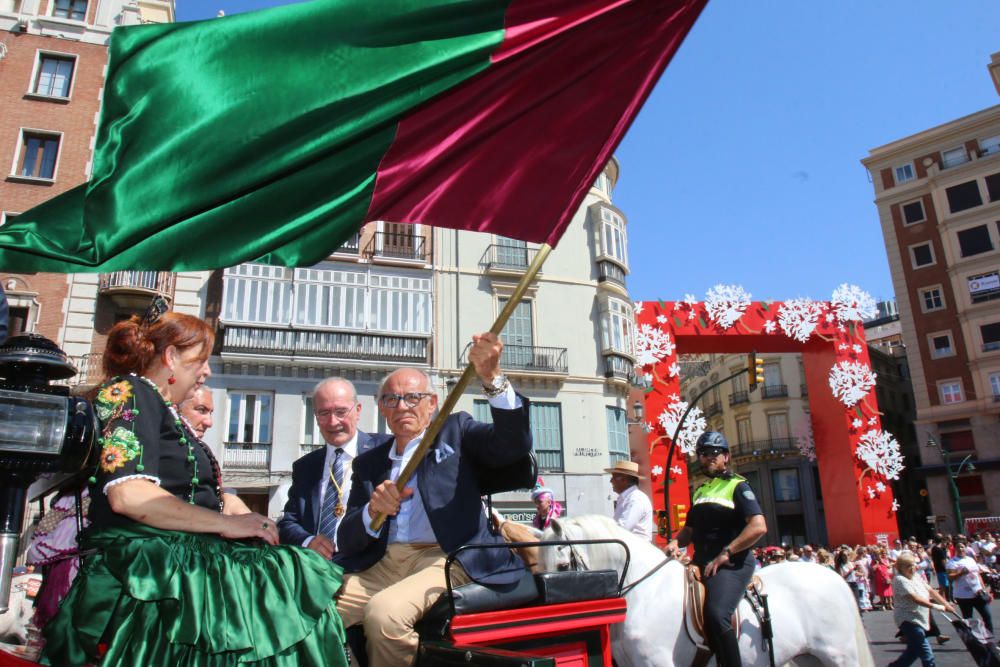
{"x": 463, "y": 382}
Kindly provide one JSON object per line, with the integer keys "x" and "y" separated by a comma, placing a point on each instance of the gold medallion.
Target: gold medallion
{"x": 338, "y": 510}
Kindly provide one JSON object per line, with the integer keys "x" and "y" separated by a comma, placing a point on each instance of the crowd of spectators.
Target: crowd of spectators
{"x": 963, "y": 569}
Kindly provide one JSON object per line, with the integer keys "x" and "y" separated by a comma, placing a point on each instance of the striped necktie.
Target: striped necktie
{"x": 328, "y": 517}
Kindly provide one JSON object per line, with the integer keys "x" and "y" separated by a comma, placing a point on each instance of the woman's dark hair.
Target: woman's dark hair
{"x": 133, "y": 345}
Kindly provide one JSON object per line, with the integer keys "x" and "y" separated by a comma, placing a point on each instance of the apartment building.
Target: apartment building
{"x": 409, "y": 295}
{"x": 938, "y": 198}
{"x": 53, "y": 58}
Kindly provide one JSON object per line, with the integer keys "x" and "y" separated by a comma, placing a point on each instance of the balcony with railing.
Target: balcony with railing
{"x": 399, "y": 246}
{"x": 610, "y": 272}
{"x": 298, "y": 343}
{"x": 764, "y": 447}
{"x": 134, "y": 289}
{"x": 351, "y": 246}
{"x": 90, "y": 369}
{"x": 713, "y": 409}
{"x": 252, "y": 456}
{"x": 618, "y": 366}
{"x": 739, "y": 397}
{"x": 529, "y": 358}
{"x": 774, "y": 391}
{"x": 508, "y": 258}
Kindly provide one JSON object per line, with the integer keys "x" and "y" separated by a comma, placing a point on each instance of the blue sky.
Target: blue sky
{"x": 744, "y": 165}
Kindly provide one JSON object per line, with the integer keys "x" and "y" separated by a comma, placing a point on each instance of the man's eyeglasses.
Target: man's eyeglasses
{"x": 711, "y": 452}
{"x": 410, "y": 399}
{"x": 339, "y": 413}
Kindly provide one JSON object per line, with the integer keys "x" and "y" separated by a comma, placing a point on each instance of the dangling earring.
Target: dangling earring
{"x": 171, "y": 380}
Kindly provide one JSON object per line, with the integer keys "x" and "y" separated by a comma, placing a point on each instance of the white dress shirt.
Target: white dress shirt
{"x": 634, "y": 512}
{"x": 411, "y": 525}
{"x": 350, "y": 452}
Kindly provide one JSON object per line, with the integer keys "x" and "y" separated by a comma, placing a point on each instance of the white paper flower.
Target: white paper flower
{"x": 895, "y": 505}
{"x": 850, "y": 381}
{"x": 842, "y": 347}
{"x": 637, "y": 307}
{"x": 726, "y": 304}
{"x": 880, "y": 487}
{"x": 656, "y": 471}
{"x": 851, "y": 303}
{"x": 652, "y": 345}
{"x": 674, "y": 370}
{"x": 692, "y": 314}
{"x": 798, "y": 318}
{"x": 873, "y": 421}
{"x": 677, "y": 470}
{"x": 871, "y": 492}
{"x": 770, "y": 326}
{"x": 830, "y": 317}
{"x": 857, "y": 423}
{"x": 694, "y": 424}
{"x": 805, "y": 442}
{"x": 857, "y": 348}
{"x": 879, "y": 451}
{"x": 690, "y": 299}
{"x": 662, "y": 319}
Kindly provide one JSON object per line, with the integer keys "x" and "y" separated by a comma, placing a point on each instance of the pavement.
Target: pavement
{"x": 886, "y": 648}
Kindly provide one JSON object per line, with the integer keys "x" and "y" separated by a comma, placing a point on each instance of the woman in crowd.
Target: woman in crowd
{"x": 882, "y": 579}
{"x": 177, "y": 576}
{"x": 967, "y": 585}
{"x": 546, "y": 507}
{"x": 825, "y": 558}
{"x": 913, "y": 601}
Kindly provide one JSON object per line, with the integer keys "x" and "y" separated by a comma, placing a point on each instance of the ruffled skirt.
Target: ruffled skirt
{"x": 158, "y": 597}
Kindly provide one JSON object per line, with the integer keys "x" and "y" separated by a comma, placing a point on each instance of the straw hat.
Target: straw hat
{"x": 630, "y": 468}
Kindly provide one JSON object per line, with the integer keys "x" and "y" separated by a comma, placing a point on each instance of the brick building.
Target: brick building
{"x": 938, "y": 198}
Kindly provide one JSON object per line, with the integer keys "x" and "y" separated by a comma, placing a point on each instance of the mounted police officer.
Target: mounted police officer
{"x": 725, "y": 520}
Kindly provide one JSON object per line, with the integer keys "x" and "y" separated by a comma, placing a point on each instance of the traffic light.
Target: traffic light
{"x": 755, "y": 371}
{"x": 680, "y": 515}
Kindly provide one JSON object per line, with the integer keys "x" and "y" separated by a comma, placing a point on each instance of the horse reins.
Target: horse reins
{"x": 646, "y": 576}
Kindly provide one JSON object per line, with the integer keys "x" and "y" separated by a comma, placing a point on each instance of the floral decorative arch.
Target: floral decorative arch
{"x": 856, "y": 458}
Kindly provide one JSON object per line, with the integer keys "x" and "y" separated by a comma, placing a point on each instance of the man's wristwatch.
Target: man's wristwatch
{"x": 498, "y": 386}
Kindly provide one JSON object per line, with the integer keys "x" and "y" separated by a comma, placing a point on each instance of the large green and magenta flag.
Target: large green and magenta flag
{"x": 275, "y": 135}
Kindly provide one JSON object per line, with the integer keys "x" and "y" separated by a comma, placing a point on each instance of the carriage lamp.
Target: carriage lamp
{"x": 43, "y": 429}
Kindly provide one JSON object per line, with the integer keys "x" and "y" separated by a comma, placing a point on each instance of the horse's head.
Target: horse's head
{"x": 566, "y": 556}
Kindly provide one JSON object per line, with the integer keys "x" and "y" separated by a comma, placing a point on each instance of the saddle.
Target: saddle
{"x": 694, "y": 611}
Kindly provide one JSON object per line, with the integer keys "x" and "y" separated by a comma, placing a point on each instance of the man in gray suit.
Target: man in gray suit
{"x": 321, "y": 480}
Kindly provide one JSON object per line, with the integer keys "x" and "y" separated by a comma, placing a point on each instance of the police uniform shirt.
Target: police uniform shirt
{"x": 715, "y": 525}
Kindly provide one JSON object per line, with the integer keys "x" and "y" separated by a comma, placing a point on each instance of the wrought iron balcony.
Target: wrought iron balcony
{"x": 610, "y": 272}
{"x": 738, "y": 397}
{"x": 134, "y": 289}
{"x": 247, "y": 456}
{"x": 529, "y": 358}
{"x": 324, "y": 344}
{"x": 618, "y": 366}
{"x": 774, "y": 391}
{"x": 713, "y": 409}
{"x": 398, "y": 245}
{"x": 90, "y": 369}
{"x": 500, "y": 257}
{"x": 351, "y": 246}
{"x": 761, "y": 447}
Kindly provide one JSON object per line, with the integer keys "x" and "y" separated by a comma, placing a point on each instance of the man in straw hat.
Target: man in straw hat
{"x": 633, "y": 510}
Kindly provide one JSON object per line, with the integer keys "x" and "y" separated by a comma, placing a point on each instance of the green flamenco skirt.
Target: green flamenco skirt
{"x": 158, "y": 597}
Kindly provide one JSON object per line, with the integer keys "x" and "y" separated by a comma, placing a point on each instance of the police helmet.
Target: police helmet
{"x": 712, "y": 439}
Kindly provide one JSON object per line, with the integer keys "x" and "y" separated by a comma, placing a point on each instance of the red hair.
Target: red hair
{"x": 132, "y": 347}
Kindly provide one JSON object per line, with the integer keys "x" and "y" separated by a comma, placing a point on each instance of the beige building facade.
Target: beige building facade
{"x": 938, "y": 199}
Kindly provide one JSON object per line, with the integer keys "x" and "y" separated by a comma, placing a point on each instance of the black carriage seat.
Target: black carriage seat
{"x": 531, "y": 590}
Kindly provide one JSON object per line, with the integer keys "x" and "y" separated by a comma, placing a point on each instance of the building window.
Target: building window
{"x": 18, "y": 320}
{"x": 777, "y": 428}
{"x": 993, "y": 187}
{"x": 904, "y": 173}
{"x": 786, "y": 485}
{"x": 941, "y": 345}
{"x": 975, "y": 241}
{"x": 984, "y": 287}
{"x": 617, "y": 322}
{"x": 613, "y": 240}
{"x": 39, "y": 152}
{"x": 963, "y": 196}
{"x": 310, "y": 433}
{"x": 951, "y": 392}
{"x": 954, "y": 157}
{"x": 7, "y": 216}
{"x": 743, "y": 433}
{"x": 55, "y": 74}
{"x": 921, "y": 255}
{"x": 71, "y": 9}
{"x": 990, "y": 145}
{"x": 518, "y": 337}
{"x": 250, "y": 417}
{"x": 546, "y": 431}
{"x": 958, "y": 441}
{"x": 931, "y": 299}
{"x": 991, "y": 336}
{"x": 995, "y": 385}
{"x": 617, "y": 435}
{"x": 913, "y": 212}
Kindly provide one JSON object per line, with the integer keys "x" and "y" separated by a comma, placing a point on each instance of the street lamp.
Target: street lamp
{"x": 946, "y": 457}
{"x": 638, "y": 412}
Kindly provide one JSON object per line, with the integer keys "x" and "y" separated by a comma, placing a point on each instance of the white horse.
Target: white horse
{"x": 813, "y": 611}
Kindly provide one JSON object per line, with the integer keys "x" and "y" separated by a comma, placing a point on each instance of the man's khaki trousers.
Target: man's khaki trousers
{"x": 392, "y": 595}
